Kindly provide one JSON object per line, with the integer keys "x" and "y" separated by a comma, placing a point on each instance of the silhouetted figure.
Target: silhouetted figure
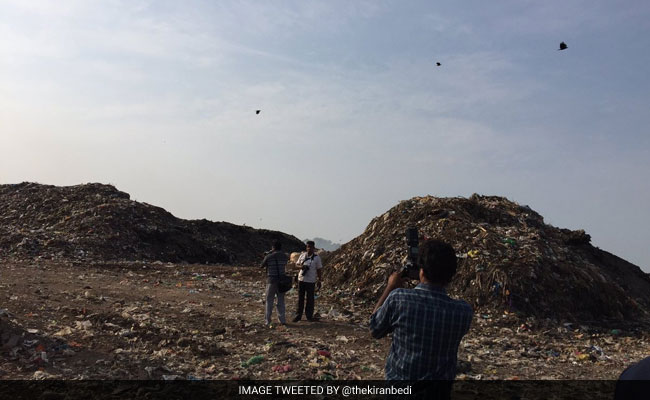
{"x": 563, "y": 46}
{"x": 634, "y": 382}
{"x": 258, "y": 111}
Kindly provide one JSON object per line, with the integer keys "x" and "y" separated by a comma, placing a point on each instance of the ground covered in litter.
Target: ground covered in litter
{"x": 130, "y": 320}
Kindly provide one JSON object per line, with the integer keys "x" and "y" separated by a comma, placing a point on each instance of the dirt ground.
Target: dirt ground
{"x": 165, "y": 321}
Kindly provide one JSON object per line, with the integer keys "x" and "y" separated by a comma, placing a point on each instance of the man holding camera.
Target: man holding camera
{"x": 427, "y": 325}
{"x": 310, "y": 266}
{"x": 274, "y": 262}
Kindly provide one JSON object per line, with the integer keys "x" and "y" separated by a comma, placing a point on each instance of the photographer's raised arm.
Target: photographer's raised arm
{"x": 395, "y": 281}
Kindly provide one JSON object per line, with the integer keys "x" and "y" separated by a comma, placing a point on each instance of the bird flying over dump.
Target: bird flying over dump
{"x": 563, "y": 46}
{"x": 258, "y": 111}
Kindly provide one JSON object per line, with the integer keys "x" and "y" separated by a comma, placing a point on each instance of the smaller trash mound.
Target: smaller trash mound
{"x": 98, "y": 222}
{"x": 509, "y": 260}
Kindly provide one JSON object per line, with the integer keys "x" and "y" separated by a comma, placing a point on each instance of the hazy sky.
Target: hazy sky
{"x": 158, "y": 99}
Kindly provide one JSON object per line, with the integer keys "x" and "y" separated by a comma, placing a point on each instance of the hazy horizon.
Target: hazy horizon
{"x": 158, "y": 98}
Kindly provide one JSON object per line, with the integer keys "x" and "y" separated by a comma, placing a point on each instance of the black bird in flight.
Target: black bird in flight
{"x": 257, "y": 111}
{"x": 438, "y": 64}
{"x": 563, "y": 46}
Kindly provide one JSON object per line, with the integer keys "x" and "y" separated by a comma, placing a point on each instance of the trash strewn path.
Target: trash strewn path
{"x": 168, "y": 321}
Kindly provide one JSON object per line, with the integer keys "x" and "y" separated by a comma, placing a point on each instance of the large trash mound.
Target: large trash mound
{"x": 509, "y": 260}
{"x": 98, "y": 222}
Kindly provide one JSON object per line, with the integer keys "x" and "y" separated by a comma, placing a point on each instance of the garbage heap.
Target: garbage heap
{"x": 98, "y": 222}
{"x": 509, "y": 260}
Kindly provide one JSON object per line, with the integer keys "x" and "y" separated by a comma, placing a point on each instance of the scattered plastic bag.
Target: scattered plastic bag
{"x": 252, "y": 361}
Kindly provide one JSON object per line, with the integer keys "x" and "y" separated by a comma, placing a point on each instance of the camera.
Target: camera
{"x": 305, "y": 267}
{"x": 411, "y": 269}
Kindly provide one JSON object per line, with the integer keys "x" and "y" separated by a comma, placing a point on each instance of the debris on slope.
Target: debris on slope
{"x": 98, "y": 222}
{"x": 509, "y": 260}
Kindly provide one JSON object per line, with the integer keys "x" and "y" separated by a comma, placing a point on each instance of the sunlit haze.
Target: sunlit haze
{"x": 159, "y": 97}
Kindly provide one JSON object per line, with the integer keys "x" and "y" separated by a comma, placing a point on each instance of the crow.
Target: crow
{"x": 563, "y": 46}
{"x": 258, "y": 111}
{"x": 438, "y": 64}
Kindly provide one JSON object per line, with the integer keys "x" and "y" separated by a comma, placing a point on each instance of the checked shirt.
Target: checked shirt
{"x": 427, "y": 327}
{"x": 274, "y": 264}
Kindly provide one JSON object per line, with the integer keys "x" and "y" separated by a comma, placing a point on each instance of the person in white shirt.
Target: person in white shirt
{"x": 310, "y": 266}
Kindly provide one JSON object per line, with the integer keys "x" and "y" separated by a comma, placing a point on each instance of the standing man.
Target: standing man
{"x": 427, "y": 324}
{"x": 274, "y": 262}
{"x": 310, "y": 267}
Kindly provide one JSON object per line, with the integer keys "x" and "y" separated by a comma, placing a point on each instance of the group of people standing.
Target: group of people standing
{"x": 426, "y": 324}
{"x": 310, "y": 278}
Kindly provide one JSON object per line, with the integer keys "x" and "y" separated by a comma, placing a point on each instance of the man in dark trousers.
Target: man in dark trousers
{"x": 310, "y": 266}
{"x": 427, "y": 325}
{"x": 275, "y": 263}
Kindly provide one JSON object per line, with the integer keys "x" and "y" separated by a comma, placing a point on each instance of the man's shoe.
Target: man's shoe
{"x": 296, "y": 319}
